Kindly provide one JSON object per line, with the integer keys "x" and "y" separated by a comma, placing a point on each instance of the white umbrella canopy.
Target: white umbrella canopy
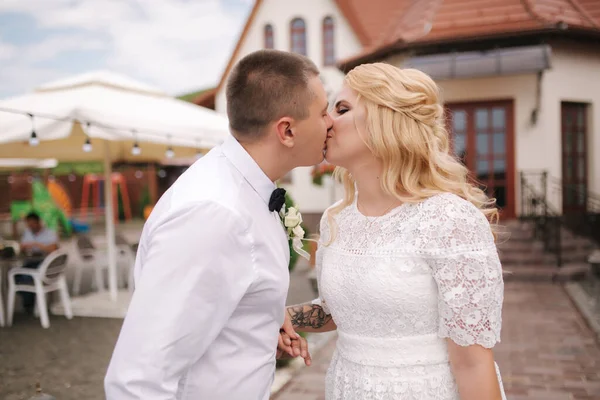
{"x": 106, "y": 106}
{"x": 117, "y": 108}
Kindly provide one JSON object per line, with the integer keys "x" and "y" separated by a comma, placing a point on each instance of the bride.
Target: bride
{"x": 407, "y": 265}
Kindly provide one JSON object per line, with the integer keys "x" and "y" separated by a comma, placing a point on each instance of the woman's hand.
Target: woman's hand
{"x": 290, "y": 344}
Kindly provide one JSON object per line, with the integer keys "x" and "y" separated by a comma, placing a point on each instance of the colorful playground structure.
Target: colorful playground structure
{"x": 45, "y": 205}
{"x": 93, "y": 183}
{"x": 55, "y": 206}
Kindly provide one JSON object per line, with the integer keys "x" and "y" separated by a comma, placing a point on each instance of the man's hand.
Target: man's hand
{"x": 295, "y": 348}
{"x": 290, "y": 343}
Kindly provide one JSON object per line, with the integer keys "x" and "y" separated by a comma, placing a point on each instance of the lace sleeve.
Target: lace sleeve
{"x": 468, "y": 273}
{"x": 324, "y": 237}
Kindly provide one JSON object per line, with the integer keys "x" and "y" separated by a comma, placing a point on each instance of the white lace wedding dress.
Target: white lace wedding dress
{"x": 397, "y": 286}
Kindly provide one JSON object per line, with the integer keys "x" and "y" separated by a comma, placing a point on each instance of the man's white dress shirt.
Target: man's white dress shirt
{"x": 211, "y": 279}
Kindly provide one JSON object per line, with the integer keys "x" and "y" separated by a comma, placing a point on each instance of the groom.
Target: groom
{"x": 211, "y": 273}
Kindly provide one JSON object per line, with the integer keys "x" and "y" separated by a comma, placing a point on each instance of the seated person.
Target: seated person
{"x": 36, "y": 240}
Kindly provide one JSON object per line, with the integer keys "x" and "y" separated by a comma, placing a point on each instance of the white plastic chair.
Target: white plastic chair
{"x": 48, "y": 277}
{"x": 89, "y": 257}
{"x": 2, "y": 322}
{"x": 125, "y": 257}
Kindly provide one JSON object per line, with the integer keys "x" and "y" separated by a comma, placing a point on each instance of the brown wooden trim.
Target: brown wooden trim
{"x": 206, "y": 99}
{"x": 511, "y": 168}
{"x": 354, "y": 21}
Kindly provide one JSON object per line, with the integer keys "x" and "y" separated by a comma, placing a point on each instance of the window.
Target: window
{"x": 298, "y": 36}
{"x": 328, "y": 42}
{"x": 269, "y": 39}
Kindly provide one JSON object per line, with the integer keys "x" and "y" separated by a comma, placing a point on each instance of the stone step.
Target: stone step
{"x": 540, "y": 257}
{"x": 526, "y": 259}
{"x": 518, "y": 230}
{"x": 503, "y": 234}
{"x": 520, "y": 246}
{"x": 536, "y": 246}
{"x": 544, "y": 273}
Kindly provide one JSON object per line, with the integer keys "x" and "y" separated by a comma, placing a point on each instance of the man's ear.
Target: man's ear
{"x": 286, "y": 131}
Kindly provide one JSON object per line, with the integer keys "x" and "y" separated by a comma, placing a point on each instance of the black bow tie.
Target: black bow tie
{"x": 277, "y": 199}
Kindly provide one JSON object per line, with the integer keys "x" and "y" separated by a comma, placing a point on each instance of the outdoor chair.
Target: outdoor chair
{"x": 48, "y": 277}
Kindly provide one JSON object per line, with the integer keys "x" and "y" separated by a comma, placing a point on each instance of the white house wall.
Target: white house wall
{"x": 279, "y": 13}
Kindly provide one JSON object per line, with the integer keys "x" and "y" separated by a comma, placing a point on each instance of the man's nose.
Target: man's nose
{"x": 329, "y": 122}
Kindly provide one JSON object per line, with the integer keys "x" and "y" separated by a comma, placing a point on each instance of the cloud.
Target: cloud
{"x": 7, "y": 50}
{"x": 177, "y": 45}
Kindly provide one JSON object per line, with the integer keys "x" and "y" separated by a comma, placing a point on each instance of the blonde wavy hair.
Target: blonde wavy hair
{"x": 406, "y": 131}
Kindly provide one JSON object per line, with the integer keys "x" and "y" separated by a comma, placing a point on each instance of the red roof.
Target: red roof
{"x": 427, "y": 21}
{"x": 369, "y": 19}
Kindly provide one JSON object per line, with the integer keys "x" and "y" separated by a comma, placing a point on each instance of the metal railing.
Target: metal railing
{"x": 543, "y": 200}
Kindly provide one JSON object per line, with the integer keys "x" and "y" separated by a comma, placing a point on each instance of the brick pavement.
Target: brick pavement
{"x": 547, "y": 350}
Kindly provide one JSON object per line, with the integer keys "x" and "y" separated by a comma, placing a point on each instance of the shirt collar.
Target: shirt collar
{"x": 244, "y": 163}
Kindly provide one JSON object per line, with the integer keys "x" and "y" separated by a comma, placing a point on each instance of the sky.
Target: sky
{"x": 178, "y": 46}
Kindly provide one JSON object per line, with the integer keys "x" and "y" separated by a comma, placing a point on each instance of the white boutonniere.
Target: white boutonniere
{"x": 292, "y": 222}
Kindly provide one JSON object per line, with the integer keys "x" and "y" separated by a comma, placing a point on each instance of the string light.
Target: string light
{"x": 33, "y": 139}
{"x": 169, "y": 153}
{"x": 198, "y": 151}
{"x": 135, "y": 150}
{"x": 87, "y": 146}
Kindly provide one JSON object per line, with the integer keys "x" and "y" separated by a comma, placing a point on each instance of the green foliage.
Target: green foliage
{"x": 192, "y": 96}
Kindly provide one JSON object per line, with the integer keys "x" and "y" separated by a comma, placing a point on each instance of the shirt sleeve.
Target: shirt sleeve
{"x": 196, "y": 267}
{"x": 50, "y": 237}
{"x": 468, "y": 273}
{"x": 26, "y": 237}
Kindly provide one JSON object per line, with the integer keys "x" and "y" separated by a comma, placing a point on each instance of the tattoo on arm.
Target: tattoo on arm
{"x": 308, "y": 316}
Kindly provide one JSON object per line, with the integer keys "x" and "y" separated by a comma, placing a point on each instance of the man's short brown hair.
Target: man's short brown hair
{"x": 265, "y": 86}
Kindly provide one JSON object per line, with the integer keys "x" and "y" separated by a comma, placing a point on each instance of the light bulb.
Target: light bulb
{"x": 87, "y": 146}
{"x": 170, "y": 153}
{"x": 33, "y": 140}
{"x": 136, "y": 150}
